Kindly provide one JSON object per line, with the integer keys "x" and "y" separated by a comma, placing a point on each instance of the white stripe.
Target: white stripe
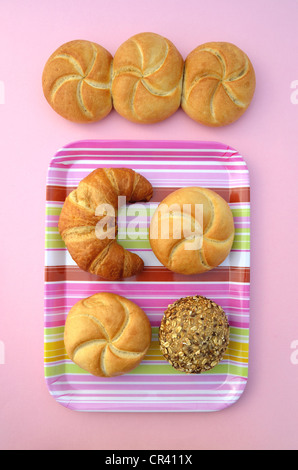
{"x": 144, "y": 149}
{"x": 206, "y": 183}
{"x": 142, "y": 162}
{"x": 62, "y": 257}
{"x": 204, "y": 399}
{"x": 151, "y": 207}
{"x": 155, "y": 170}
{"x": 144, "y": 392}
{"x": 109, "y": 382}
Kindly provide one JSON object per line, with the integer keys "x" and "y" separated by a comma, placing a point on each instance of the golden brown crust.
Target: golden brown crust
{"x": 219, "y": 83}
{"x": 147, "y": 78}
{"x": 101, "y": 256}
{"x": 107, "y": 334}
{"x": 194, "y": 334}
{"x": 76, "y": 81}
{"x": 211, "y": 243}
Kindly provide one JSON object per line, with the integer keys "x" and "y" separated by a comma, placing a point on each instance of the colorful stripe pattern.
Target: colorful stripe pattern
{"x": 154, "y": 385}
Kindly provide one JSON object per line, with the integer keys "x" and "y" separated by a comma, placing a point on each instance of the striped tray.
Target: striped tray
{"x": 154, "y": 385}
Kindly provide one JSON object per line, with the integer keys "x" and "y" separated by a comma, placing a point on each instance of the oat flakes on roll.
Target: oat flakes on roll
{"x": 76, "y": 81}
{"x": 194, "y": 334}
{"x": 147, "y": 78}
{"x": 219, "y": 83}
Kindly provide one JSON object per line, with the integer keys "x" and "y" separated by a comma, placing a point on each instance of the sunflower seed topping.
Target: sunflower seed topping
{"x": 194, "y": 334}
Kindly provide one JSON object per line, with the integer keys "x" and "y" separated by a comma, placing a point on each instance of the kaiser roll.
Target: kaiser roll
{"x": 76, "y": 81}
{"x": 192, "y": 230}
{"x": 90, "y": 234}
{"x": 106, "y": 334}
{"x": 219, "y": 83}
{"x": 147, "y": 78}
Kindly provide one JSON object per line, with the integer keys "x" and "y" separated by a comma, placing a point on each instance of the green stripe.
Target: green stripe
{"x": 53, "y": 236}
{"x": 57, "y": 244}
{"x": 142, "y": 237}
{"x": 53, "y": 210}
{"x": 239, "y": 331}
{"x": 241, "y": 246}
{"x": 239, "y": 212}
{"x": 54, "y": 331}
{"x": 140, "y": 244}
{"x": 146, "y": 369}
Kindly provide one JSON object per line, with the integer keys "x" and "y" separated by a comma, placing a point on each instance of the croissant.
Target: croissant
{"x": 102, "y": 255}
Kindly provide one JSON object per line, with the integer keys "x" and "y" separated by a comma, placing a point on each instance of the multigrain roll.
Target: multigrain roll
{"x": 76, "y": 81}
{"x": 192, "y": 230}
{"x": 194, "y": 334}
{"x": 107, "y": 335}
{"x": 219, "y": 83}
{"x": 147, "y": 78}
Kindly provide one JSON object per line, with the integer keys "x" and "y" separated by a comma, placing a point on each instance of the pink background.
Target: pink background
{"x": 266, "y": 416}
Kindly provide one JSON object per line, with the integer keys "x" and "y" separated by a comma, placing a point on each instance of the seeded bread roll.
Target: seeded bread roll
{"x": 77, "y": 81}
{"x": 219, "y": 83}
{"x": 194, "y": 334}
{"x": 147, "y": 78}
{"x": 107, "y": 334}
{"x": 200, "y": 230}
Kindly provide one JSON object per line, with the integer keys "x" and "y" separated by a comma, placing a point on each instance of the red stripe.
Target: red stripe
{"x": 231, "y": 195}
{"x": 153, "y": 274}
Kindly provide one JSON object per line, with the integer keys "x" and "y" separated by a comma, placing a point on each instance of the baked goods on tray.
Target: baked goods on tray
{"x": 147, "y": 78}
{"x": 219, "y": 83}
{"x": 201, "y": 230}
{"x": 76, "y": 81}
{"x": 93, "y": 247}
{"x": 107, "y": 334}
{"x": 194, "y": 334}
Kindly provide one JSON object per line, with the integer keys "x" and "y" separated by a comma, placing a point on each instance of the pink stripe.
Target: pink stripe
{"x": 148, "y": 144}
{"x": 90, "y": 167}
{"x": 160, "y": 157}
{"x": 155, "y": 176}
{"x": 106, "y": 386}
{"x": 205, "y": 380}
{"x": 160, "y": 304}
{"x": 146, "y": 407}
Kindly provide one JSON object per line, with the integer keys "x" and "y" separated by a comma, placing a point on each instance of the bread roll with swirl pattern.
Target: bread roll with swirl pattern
{"x": 147, "y": 78}
{"x": 76, "y": 81}
{"x": 107, "y": 334}
{"x": 205, "y": 238}
{"x": 101, "y": 256}
{"x": 219, "y": 83}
